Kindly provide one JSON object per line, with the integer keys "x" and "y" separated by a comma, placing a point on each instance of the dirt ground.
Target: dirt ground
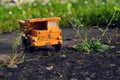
{"x": 68, "y": 63}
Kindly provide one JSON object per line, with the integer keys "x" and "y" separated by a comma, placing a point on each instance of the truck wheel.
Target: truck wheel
{"x": 57, "y": 47}
{"x": 24, "y": 41}
{"x": 27, "y": 45}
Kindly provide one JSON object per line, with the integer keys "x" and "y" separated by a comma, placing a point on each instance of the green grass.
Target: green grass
{"x": 91, "y": 13}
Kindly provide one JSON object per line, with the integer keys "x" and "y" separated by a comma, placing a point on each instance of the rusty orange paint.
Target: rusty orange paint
{"x": 42, "y": 31}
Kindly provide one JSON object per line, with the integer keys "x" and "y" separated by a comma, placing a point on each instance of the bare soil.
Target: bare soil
{"x": 66, "y": 64}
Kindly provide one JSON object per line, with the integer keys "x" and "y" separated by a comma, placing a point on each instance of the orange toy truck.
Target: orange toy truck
{"x": 41, "y": 32}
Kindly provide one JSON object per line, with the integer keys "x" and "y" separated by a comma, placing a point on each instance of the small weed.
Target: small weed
{"x": 15, "y": 58}
{"x": 93, "y": 45}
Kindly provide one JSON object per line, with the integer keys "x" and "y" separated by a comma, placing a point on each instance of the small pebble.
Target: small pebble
{"x": 49, "y": 68}
{"x": 87, "y": 78}
{"x": 118, "y": 52}
{"x": 93, "y": 75}
{"x": 112, "y": 65}
{"x": 63, "y": 55}
{"x": 73, "y": 79}
{"x": 74, "y": 40}
{"x": 12, "y": 66}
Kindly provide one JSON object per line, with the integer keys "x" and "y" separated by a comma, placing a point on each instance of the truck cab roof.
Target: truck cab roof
{"x": 42, "y": 19}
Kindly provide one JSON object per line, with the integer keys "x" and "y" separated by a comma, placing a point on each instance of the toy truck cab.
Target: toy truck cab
{"x": 41, "y": 32}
